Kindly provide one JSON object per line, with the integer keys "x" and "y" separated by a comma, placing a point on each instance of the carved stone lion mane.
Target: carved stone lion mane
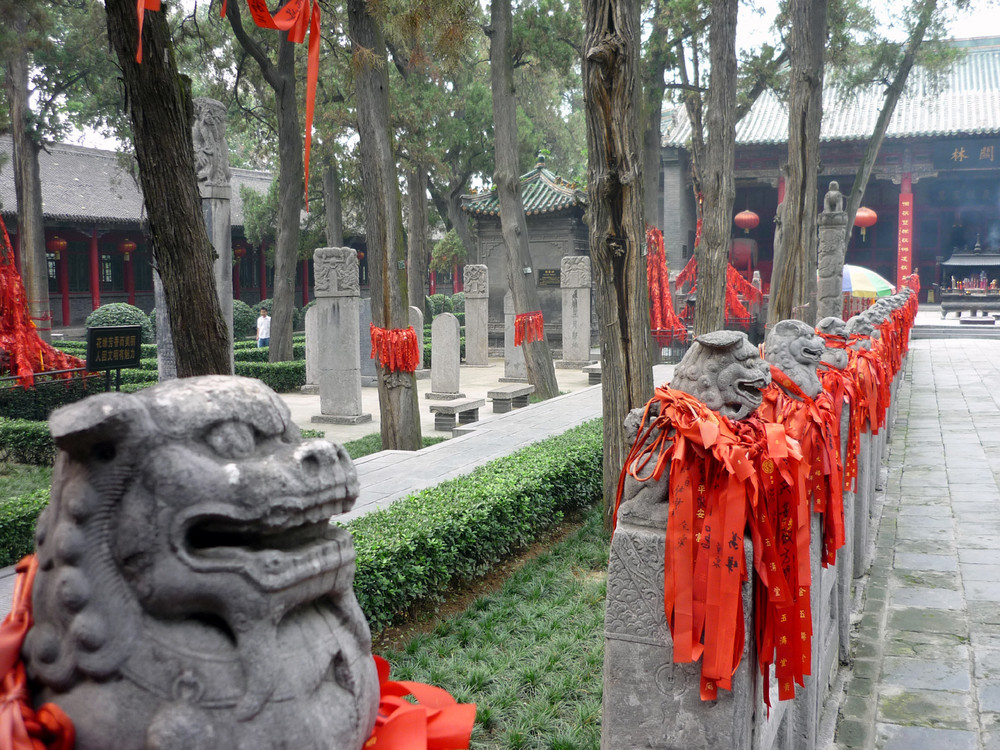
{"x": 794, "y": 348}
{"x": 191, "y": 591}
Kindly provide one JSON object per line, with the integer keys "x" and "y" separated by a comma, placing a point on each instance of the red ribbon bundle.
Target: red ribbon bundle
{"x": 528, "y": 327}
{"x": 435, "y": 722}
{"x": 396, "y": 349}
{"x": 723, "y": 476}
{"x": 22, "y": 350}
{"x": 663, "y": 321}
{"x": 21, "y": 726}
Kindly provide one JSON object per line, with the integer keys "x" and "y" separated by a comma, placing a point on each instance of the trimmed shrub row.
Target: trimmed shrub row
{"x": 47, "y": 394}
{"x": 278, "y": 376}
{"x": 26, "y": 441}
{"x": 415, "y": 549}
{"x": 419, "y": 546}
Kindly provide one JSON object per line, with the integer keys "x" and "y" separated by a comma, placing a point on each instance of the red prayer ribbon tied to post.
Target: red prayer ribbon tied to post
{"x": 725, "y": 478}
{"x": 296, "y": 17}
{"x": 528, "y": 327}
{"x": 395, "y": 349}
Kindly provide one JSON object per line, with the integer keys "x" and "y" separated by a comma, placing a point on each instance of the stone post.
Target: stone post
{"x": 574, "y": 278}
{"x": 445, "y": 360}
{"x": 332, "y": 325}
{"x": 832, "y": 247}
{"x": 514, "y": 369}
{"x": 477, "y": 315}
{"x": 369, "y": 375}
{"x": 417, "y": 323}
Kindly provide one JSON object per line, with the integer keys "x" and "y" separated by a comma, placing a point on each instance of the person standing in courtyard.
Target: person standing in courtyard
{"x": 263, "y": 329}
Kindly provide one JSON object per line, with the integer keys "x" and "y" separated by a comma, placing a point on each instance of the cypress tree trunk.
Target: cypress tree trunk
{"x": 617, "y": 236}
{"x": 793, "y": 279}
{"x": 717, "y": 181}
{"x": 537, "y": 357}
{"x": 28, "y": 189}
{"x": 416, "y": 240}
{"x": 398, "y": 403}
{"x": 162, "y": 114}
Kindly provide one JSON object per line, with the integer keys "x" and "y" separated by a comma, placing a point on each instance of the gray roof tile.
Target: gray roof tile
{"x": 966, "y": 103}
{"x": 88, "y": 184}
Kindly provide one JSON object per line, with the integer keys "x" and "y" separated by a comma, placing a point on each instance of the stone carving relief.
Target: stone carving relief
{"x": 191, "y": 591}
{"x": 336, "y": 272}
{"x": 474, "y": 278}
{"x": 211, "y": 153}
{"x": 575, "y": 272}
{"x": 794, "y": 348}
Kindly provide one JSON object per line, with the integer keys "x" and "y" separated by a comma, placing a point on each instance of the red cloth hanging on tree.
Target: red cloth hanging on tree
{"x": 396, "y": 349}
{"x": 662, "y": 317}
{"x": 528, "y": 327}
{"x": 22, "y": 351}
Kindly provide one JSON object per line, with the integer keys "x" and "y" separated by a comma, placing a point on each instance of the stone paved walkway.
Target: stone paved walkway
{"x": 926, "y": 654}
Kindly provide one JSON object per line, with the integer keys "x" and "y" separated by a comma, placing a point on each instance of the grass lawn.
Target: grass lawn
{"x": 529, "y": 655}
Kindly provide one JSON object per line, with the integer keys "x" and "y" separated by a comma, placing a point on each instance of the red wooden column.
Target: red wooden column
{"x": 904, "y": 256}
{"x": 459, "y": 285}
{"x": 63, "y": 273}
{"x": 236, "y": 278}
{"x": 95, "y": 271}
{"x": 129, "y": 272}
{"x": 263, "y": 272}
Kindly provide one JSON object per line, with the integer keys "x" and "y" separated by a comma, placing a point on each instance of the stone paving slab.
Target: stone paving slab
{"x": 926, "y": 650}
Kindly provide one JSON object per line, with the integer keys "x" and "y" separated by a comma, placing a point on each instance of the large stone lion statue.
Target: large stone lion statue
{"x": 794, "y": 348}
{"x": 191, "y": 592}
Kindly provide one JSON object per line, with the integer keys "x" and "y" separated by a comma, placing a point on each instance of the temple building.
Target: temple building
{"x": 935, "y": 188}
{"x": 97, "y": 249}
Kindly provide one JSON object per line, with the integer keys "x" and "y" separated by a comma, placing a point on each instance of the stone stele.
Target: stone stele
{"x": 191, "y": 590}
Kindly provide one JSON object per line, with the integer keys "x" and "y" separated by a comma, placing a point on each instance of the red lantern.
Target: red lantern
{"x": 239, "y": 251}
{"x": 56, "y": 245}
{"x": 361, "y": 256}
{"x": 126, "y": 248}
{"x": 864, "y": 219}
{"x": 747, "y": 220}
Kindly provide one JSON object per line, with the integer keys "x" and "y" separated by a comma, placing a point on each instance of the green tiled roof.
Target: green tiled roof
{"x": 541, "y": 191}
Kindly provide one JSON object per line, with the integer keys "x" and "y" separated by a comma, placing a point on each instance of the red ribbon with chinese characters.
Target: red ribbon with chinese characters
{"x": 396, "y": 349}
{"x": 715, "y": 494}
{"x": 21, "y": 726}
{"x": 528, "y": 327}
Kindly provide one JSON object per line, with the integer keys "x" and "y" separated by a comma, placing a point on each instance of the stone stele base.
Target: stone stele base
{"x": 342, "y": 419}
{"x": 572, "y": 364}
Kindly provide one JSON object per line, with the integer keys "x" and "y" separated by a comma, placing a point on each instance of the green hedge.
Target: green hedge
{"x": 419, "y": 546}
{"x": 39, "y": 401}
{"x": 282, "y": 377}
{"x": 17, "y": 525}
{"x": 25, "y": 441}
{"x": 260, "y": 355}
{"x": 416, "y": 548}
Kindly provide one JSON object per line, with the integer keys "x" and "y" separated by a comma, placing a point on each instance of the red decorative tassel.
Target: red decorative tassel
{"x": 395, "y": 349}
{"x": 528, "y": 327}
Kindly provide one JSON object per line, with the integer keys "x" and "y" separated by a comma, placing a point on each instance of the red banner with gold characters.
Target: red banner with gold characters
{"x": 904, "y": 258}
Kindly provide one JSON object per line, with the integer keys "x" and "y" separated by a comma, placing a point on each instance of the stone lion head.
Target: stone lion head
{"x": 724, "y": 371}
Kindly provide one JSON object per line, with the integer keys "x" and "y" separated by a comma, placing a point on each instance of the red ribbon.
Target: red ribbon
{"x": 663, "y": 321}
{"x": 435, "y": 722}
{"x": 396, "y": 349}
{"x": 141, "y": 7}
{"x": 528, "y": 327}
{"x": 22, "y": 351}
{"x": 21, "y": 726}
